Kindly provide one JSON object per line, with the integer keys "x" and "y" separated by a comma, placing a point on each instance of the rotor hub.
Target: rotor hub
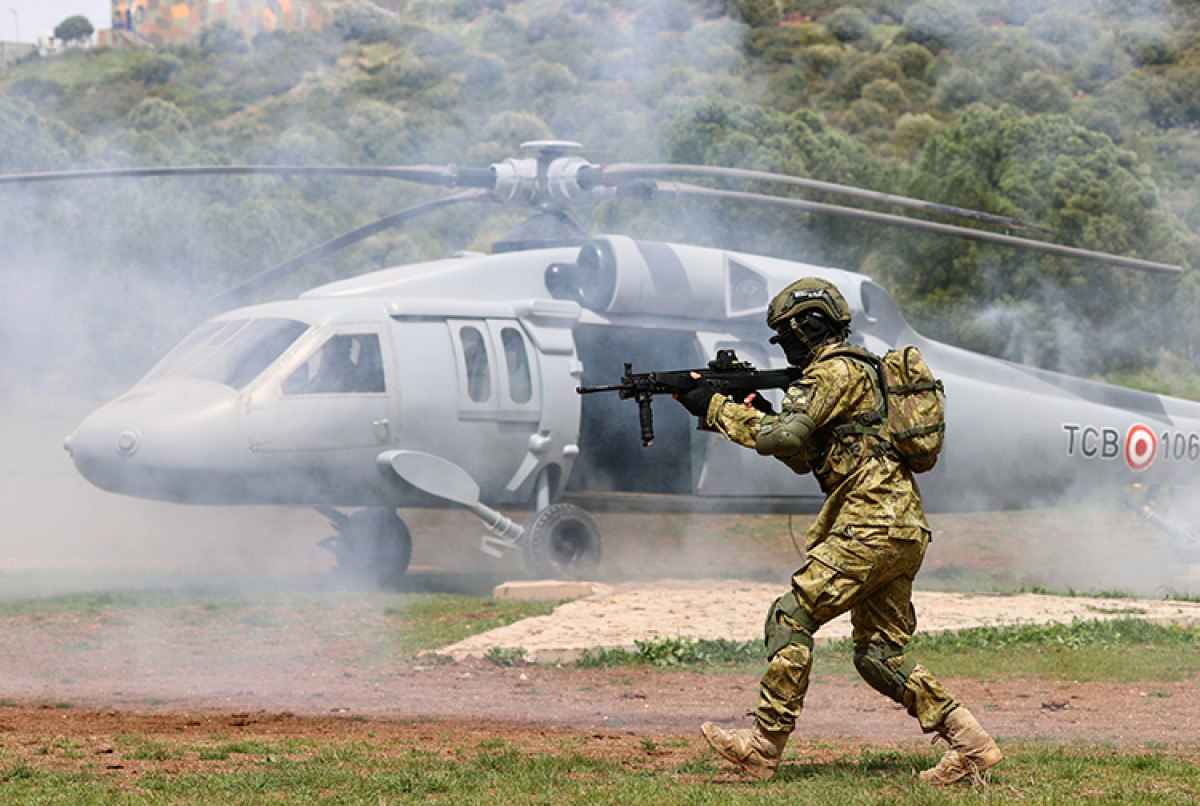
{"x": 549, "y": 180}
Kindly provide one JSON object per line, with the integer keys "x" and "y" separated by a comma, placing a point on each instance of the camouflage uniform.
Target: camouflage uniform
{"x": 864, "y": 549}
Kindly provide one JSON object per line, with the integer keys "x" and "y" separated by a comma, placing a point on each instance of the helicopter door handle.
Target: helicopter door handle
{"x": 381, "y": 430}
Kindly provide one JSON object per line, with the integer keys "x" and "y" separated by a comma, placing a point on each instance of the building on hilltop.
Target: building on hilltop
{"x": 178, "y": 21}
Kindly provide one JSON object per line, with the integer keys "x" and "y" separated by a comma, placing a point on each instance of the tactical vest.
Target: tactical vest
{"x": 909, "y": 419}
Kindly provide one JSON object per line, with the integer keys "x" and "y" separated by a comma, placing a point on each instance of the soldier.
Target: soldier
{"x": 863, "y": 550}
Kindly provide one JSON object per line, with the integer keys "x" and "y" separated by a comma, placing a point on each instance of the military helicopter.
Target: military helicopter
{"x": 452, "y": 383}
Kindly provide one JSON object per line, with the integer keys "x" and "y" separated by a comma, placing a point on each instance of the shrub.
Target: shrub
{"x": 886, "y": 93}
{"x": 755, "y": 13}
{"x": 545, "y": 77}
{"x": 1039, "y": 91}
{"x": 958, "y": 89}
{"x": 912, "y": 59}
{"x": 1072, "y": 34}
{"x": 911, "y": 131}
{"x": 221, "y": 38}
{"x": 937, "y": 23}
{"x": 875, "y": 68}
{"x": 819, "y": 60}
{"x": 513, "y": 128}
{"x": 36, "y": 90}
{"x": 863, "y": 115}
{"x": 1103, "y": 63}
{"x": 29, "y": 143}
{"x": 848, "y": 24}
{"x": 1149, "y": 45}
{"x": 486, "y": 70}
{"x": 360, "y": 23}
{"x": 160, "y": 117}
{"x": 156, "y": 69}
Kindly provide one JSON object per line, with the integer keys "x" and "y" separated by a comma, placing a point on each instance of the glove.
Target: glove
{"x": 696, "y": 399}
{"x": 751, "y": 397}
{"x": 761, "y": 403}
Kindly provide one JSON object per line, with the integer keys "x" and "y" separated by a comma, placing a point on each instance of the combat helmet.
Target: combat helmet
{"x": 809, "y": 293}
{"x": 808, "y": 313}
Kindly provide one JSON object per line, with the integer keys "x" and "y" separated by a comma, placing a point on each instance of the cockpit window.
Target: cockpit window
{"x": 346, "y": 364}
{"x": 231, "y": 353}
{"x": 186, "y": 353}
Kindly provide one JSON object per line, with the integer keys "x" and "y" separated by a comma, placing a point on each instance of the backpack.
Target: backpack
{"x": 911, "y": 415}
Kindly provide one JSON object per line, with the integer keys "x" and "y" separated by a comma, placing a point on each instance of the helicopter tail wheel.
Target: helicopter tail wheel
{"x": 373, "y": 545}
{"x": 562, "y": 541}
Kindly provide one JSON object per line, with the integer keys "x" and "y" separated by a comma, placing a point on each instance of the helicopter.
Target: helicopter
{"x": 453, "y": 383}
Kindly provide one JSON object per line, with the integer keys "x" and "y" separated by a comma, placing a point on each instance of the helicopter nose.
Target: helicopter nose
{"x": 162, "y": 442}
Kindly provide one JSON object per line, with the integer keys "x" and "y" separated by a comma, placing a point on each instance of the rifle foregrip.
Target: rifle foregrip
{"x": 646, "y": 418}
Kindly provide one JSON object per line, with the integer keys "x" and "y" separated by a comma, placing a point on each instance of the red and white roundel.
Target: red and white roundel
{"x": 1141, "y": 446}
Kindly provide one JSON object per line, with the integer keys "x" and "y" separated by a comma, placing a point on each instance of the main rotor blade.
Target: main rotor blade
{"x": 443, "y": 175}
{"x": 301, "y": 260}
{"x": 685, "y": 190}
{"x": 618, "y": 173}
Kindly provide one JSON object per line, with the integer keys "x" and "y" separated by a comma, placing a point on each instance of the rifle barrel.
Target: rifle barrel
{"x": 613, "y": 387}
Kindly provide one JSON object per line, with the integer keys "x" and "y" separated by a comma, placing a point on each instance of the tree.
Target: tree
{"x": 74, "y": 29}
{"x": 1089, "y": 193}
{"x": 848, "y": 24}
{"x": 937, "y": 23}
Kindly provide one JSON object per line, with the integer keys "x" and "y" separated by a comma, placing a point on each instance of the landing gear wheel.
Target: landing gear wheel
{"x": 375, "y": 546}
{"x": 562, "y": 541}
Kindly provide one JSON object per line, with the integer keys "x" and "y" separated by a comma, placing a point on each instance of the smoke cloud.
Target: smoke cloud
{"x": 76, "y": 334}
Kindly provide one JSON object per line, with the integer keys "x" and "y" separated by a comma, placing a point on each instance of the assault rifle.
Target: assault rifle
{"x": 727, "y": 373}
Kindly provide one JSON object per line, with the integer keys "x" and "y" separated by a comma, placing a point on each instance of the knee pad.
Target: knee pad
{"x": 877, "y": 663}
{"x": 787, "y": 623}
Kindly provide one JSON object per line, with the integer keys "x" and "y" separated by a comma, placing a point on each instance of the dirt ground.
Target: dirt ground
{"x": 312, "y": 668}
{"x": 90, "y": 682}
{"x": 615, "y": 714}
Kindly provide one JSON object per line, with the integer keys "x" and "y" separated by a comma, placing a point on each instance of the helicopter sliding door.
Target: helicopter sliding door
{"x": 497, "y": 378}
{"x": 611, "y": 457}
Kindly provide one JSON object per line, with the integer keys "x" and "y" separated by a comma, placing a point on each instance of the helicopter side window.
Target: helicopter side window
{"x": 345, "y": 364}
{"x": 479, "y": 374}
{"x": 520, "y": 380}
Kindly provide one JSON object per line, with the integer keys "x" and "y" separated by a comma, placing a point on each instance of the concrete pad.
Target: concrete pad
{"x": 617, "y": 618}
{"x": 546, "y": 590}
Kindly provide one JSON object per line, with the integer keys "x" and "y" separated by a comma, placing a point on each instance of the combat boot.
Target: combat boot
{"x": 754, "y": 750}
{"x": 971, "y": 750}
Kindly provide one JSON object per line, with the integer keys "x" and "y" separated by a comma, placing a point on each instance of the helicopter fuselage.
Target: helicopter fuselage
{"x": 476, "y": 360}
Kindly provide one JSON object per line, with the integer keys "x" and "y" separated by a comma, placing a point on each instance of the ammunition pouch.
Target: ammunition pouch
{"x": 787, "y": 623}
{"x": 876, "y": 664}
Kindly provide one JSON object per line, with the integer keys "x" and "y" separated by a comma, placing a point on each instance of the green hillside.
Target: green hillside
{"x": 1081, "y": 118}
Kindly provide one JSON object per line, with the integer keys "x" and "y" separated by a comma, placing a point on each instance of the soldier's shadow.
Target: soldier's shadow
{"x": 890, "y": 765}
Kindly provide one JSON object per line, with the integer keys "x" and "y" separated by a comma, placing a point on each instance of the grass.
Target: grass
{"x": 647, "y": 773}
{"x": 1120, "y": 650}
{"x": 429, "y": 621}
{"x": 412, "y": 622}
{"x": 415, "y": 623}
